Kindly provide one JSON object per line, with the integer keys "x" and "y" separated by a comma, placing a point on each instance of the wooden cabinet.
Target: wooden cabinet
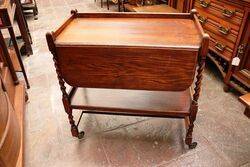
{"x": 241, "y": 73}
{"x": 227, "y": 23}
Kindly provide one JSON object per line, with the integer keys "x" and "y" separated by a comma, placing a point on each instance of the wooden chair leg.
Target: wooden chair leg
{"x": 8, "y": 59}
{"x": 101, "y": 3}
{"x": 108, "y": 4}
{"x": 13, "y": 39}
{"x": 119, "y": 5}
{"x": 35, "y": 14}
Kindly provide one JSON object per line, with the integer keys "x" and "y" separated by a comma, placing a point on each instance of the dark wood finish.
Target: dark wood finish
{"x": 180, "y": 5}
{"x": 24, "y": 28}
{"x": 227, "y": 23}
{"x": 241, "y": 73}
{"x": 107, "y": 3}
{"x": 7, "y": 12}
{"x": 6, "y": 58}
{"x": 114, "y": 71}
{"x": 128, "y": 60}
{"x": 245, "y": 99}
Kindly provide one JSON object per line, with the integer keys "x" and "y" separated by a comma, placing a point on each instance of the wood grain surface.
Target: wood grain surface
{"x": 9, "y": 132}
{"x": 127, "y": 68}
{"x": 156, "y": 32}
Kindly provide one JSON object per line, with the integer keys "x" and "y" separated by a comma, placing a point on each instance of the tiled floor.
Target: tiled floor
{"x": 221, "y": 129}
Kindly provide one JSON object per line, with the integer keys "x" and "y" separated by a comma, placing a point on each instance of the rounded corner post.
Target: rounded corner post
{"x": 73, "y": 12}
{"x": 193, "y": 12}
{"x": 205, "y": 45}
{"x": 50, "y": 41}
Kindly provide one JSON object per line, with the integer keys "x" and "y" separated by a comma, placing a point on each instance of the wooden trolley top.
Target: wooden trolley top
{"x": 114, "y": 29}
{"x": 129, "y": 51}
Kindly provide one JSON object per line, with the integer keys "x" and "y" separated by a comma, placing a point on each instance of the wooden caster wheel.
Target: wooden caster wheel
{"x": 81, "y": 135}
{"x": 192, "y": 145}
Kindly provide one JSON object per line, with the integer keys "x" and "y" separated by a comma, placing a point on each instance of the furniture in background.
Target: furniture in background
{"x": 180, "y": 5}
{"x": 107, "y": 3}
{"x": 12, "y": 106}
{"x": 7, "y": 13}
{"x": 162, "y": 8}
{"x": 171, "y": 6}
{"x": 11, "y": 127}
{"x": 124, "y": 65}
{"x": 118, "y": 2}
{"x": 24, "y": 29}
{"x": 30, "y": 7}
{"x": 227, "y": 23}
{"x": 245, "y": 99}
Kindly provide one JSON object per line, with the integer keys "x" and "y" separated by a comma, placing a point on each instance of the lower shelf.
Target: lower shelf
{"x": 133, "y": 102}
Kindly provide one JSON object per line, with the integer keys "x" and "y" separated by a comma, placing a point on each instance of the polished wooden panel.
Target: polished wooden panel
{"x": 9, "y": 132}
{"x": 4, "y": 114}
{"x": 156, "y": 32}
{"x": 19, "y": 105}
{"x": 147, "y": 69}
{"x": 134, "y": 101}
